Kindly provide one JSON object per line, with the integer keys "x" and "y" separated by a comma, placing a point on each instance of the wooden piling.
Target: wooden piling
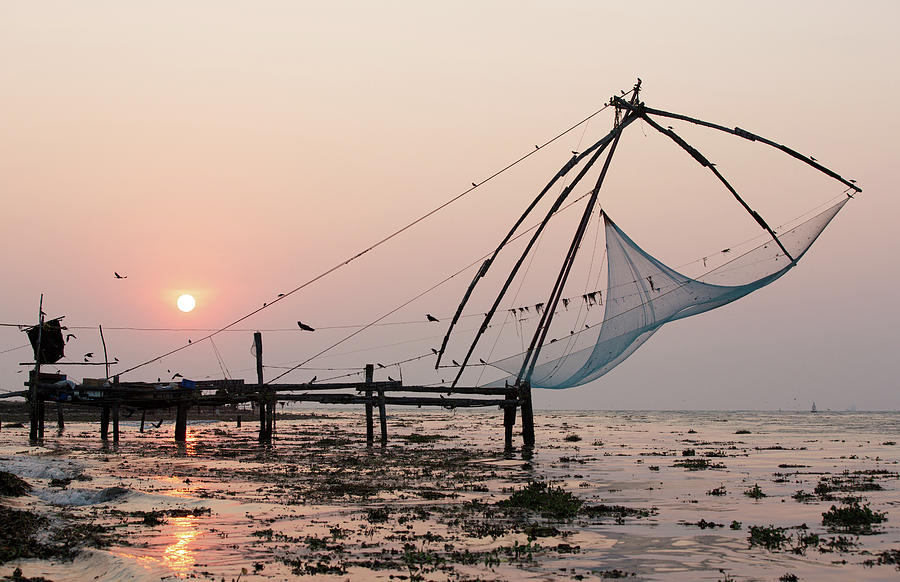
{"x": 42, "y": 410}
{"x": 527, "y": 414}
{"x": 32, "y": 387}
{"x": 181, "y": 422}
{"x": 509, "y": 421}
{"x": 60, "y": 421}
{"x": 239, "y": 421}
{"x": 382, "y": 417}
{"x": 104, "y": 423}
{"x": 370, "y": 428}
{"x": 270, "y": 419}
{"x": 265, "y": 436}
{"x": 143, "y": 418}
{"x": 115, "y": 422}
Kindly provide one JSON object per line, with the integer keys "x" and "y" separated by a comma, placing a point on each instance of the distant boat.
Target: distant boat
{"x": 813, "y": 409}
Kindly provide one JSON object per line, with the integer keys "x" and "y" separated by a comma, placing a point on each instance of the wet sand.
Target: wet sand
{"x": 656, "y": 496}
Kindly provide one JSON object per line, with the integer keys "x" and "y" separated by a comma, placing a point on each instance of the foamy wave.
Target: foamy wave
{"x": 41, "y": 468}
{"x": 79, "y": 497}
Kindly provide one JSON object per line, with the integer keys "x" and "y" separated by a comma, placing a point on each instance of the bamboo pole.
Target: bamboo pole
{"x": 32, "y": 389}
{"x": 370, "y": 429}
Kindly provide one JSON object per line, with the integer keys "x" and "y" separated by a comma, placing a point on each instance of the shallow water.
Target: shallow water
{"x": 319, "y": 501}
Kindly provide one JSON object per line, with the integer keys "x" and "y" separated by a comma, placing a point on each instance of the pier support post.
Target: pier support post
{"x": 60, "y": 421}
{"x": 527, "y": 414}
{"x": 270, "y": 418}
{"x": 509, "y": 421}
{"x": 265, "y": 426}
{"x": 42, "y": 410}
{"x": 370, "y": 427}
{"x": 104, "y": 423}
{"x": 382, "y": 416}
{"x": 115, "y": 422}
{"x": 143, "y": 418}
{"x": 181, "y": 422}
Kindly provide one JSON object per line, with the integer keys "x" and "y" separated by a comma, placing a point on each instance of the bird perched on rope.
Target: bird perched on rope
{"x": 118, "y": 276}
{"x": 304, "y": 327}
{"x": 431, "y": 317}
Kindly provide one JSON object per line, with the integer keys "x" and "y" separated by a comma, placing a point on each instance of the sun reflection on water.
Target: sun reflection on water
{"x": 179, "y": 556}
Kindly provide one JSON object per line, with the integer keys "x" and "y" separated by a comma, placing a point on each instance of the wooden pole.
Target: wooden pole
{"x": 105, "y": 355}
{"x": 42, "y": 409}
{"x": 509, "y": 421}
{"x": 104, "y": 423}
{"x": 32, "y": 389}
{"x": 143, "y": 418}
{"x": 370, "y": 428}
{"x": 527, "y": 414}
{"x": 60, "y": 421}
{"x": 115, "y": 422}
{"x": 382, "y": 417}
{"x": 181, "y": 422}
{"x": 264, "y": 435}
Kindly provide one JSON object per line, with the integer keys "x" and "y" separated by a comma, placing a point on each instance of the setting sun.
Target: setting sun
{"x": 186, "y": 302}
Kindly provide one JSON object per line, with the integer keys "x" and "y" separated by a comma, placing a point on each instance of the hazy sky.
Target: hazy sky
{"x": 235, "y": 150}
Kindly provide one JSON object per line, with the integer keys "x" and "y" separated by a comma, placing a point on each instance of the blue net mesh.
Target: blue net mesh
{"x": 643, "y": 294}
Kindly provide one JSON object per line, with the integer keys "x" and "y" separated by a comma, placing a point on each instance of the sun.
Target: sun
{"x": 186, "y": 302}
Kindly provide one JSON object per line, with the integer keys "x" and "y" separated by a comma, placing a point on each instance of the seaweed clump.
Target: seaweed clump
{"x": 852, "y": 518}
{"x": 12, "y": 486}
{"x": 549, "y": 501}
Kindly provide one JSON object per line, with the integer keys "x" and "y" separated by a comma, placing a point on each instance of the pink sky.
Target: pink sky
{"x": 234, "y": 151}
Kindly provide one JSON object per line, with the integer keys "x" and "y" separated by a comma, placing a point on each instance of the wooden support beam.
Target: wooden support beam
{"x": 115, "y": 423}
{"x": 382, "y": 416}
{"x": 104, "y": 423}
{"x": 143, "y": 418}
{"x": 181, "y": 422}
{"x": 509, "y": 421}
{"x": 60, "y": 421}
{"x": 270, "y": 420}
{"x": 41, "y": 413}
{"x": 370, "y": 428}
{"x": 527, "y": 414}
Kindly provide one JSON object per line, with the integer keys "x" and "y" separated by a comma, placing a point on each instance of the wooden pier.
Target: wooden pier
{"x": 111, "y": 396}
{"x": 143, "y": 396}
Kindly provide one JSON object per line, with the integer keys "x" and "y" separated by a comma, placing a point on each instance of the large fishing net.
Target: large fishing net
{"x": 643, "y": 294}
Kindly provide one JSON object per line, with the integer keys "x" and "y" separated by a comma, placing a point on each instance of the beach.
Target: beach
{"x": 603, "y": 495}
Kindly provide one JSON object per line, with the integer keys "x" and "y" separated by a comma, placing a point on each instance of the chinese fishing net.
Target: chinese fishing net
{"x": 643, "y": 294}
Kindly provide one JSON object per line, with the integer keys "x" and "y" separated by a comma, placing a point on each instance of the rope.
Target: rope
{"x": 372, "y": 247}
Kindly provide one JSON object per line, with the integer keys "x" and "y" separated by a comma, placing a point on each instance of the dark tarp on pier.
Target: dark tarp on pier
{"x": 52, "y": 342}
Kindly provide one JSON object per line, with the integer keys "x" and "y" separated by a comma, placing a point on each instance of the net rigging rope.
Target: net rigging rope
{"x": 375, "y": 245}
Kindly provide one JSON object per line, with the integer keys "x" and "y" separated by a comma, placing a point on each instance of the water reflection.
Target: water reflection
{"x": 179, "y": 556}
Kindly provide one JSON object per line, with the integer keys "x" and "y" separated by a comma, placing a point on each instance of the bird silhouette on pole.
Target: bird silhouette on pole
{"x": 431, "y": 317}
{"x": 304, "y": 327}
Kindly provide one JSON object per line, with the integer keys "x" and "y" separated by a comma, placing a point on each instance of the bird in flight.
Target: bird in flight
{"x": 118, "y": 276}
{"x": 431, "y": 317}
{"x": 89, "y": 355}
{"x": 304, "y": 327}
